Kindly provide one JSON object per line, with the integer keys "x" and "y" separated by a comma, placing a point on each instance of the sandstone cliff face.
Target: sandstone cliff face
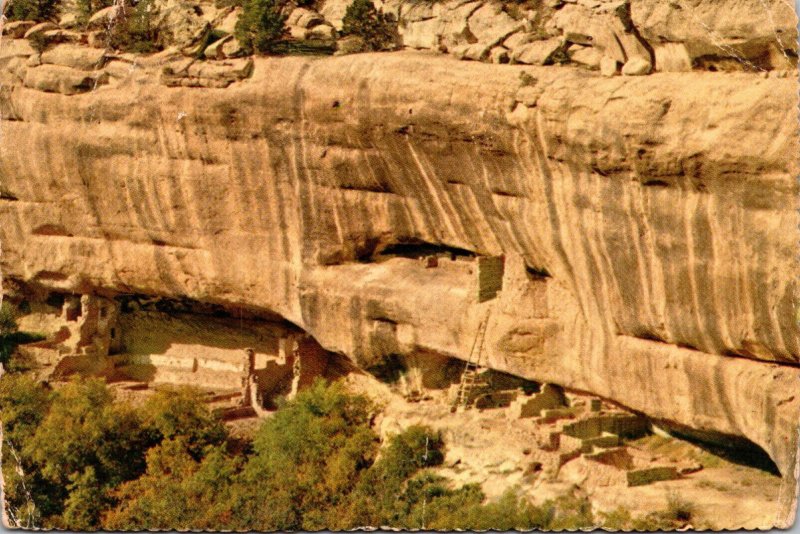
{"x": 648, "y": 224}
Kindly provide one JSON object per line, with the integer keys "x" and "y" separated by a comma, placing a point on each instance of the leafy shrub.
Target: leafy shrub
{"x": 570, "y": 513}
{"x": 464, "y": 510}
{"x": 260, "y": 25}
{"x": 677, "y": 514}
{"x": 308, "y": 458}
{"x": 23, "y": 404}
{"x": 8, "y": 319}
{"x": 377, "y": 29}
{"x": 179, "y": 413}
{"x": 177, "y": 492}
{"x": 37, "y": 10}
{"x": 82, "y": 413}
{"x": 74, "y": 447}
{"x": 678, "y": 509}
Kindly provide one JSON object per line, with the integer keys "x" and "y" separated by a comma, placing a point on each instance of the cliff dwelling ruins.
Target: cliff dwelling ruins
{"x": 561, "y": 234}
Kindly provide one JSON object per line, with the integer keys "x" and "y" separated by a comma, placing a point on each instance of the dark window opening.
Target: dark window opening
{"x": 416, "y": 250}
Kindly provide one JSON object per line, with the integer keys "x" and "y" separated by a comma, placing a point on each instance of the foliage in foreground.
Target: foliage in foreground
{"x": 89, "y": 463}
{"x": 70, "y": 448}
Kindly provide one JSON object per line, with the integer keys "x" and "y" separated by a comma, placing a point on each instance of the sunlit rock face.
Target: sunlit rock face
{"x": 647, "y": 224}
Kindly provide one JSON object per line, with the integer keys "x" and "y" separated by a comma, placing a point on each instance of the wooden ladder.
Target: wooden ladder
{"x": 470, "y": 375}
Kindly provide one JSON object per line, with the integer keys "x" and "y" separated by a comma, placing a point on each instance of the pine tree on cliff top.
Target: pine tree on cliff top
{"x": 363, "y": 20}
{"x": 260, "y": 25}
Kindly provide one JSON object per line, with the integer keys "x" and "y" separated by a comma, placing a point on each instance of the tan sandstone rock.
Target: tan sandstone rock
{"x": 537, "y": 52}
{"x": 64, "y": 80}
{"x": 17, "y": 29}
{"x": 608, "y": 66}
{"x": 636, "y": 66}
{"x": 304, "y": 18}
{"x": 102, "y": 19}
{"x": 649, "y": 238}
{"x": 586, "y": 56}
{"x": 40, "y": 28}
{"x": 215, "y": 49}
{"x": 322, "y": 31}
{"x": 76, "y": 57}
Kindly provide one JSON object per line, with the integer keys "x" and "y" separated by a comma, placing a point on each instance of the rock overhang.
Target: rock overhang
{"x": 662, "y": 210}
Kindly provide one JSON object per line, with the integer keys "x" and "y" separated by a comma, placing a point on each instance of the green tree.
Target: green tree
{"x": 23, "y": 405}
{"x": 86, "y": 499}
{"x": 308, "y": 458}
{"x": 377, "y": 29}
{"x": 24, "y": 402}
{"x": 180, "y": 413}
{"x": 85, "y": 438}
{"x": 260, "y": 25}
{"x": 36, "y": 10}
{"x": 8, "y": 327}
{"x": 8, "y": 319}
{"x": 177, "y": 492}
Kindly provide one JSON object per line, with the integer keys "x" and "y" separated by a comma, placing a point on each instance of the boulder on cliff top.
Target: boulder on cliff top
{"x": 179, "y": 24}
{"x": 636, "y": 66}
{"x": 53, "y": 37}
{"x": 323, "y": 32}
{"x": 68, "y": 21}
{"x": 474, "y": 52}
{"x": 40, "y": 28}
{"x": 103, "y": 18}
{"x": 304, "y": 18}
{"x": 334, "y": 11}
{"x": 672, "y": 57}
{"x": 228, "y": 24}
{"x": 18, "y": 28}
{"x": 214, "y": 50}
{"x": 537, "y": 52}
{"x": 453, "y": 25}
{"x": 491, "y": 25}
{"x": 586, "y": 55}
{"x": 227, "y": 47}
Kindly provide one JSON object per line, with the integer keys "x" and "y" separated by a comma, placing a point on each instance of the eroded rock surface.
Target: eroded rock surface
{"x": 648, "y": 223}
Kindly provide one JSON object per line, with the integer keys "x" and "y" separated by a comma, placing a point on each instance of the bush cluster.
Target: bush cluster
{"x": 71, "y": 448}
{"x": 260, "y": 26}
{"x": 36, "y": 10}
{"x": 135, "y": 30}
{"x": 377, "y": 29}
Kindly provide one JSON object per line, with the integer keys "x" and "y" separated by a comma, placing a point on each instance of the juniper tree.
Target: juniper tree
{"x": 260, "y": 25}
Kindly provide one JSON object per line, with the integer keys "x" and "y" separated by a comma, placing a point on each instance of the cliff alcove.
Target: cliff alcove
{"x": 598, "y": 195}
